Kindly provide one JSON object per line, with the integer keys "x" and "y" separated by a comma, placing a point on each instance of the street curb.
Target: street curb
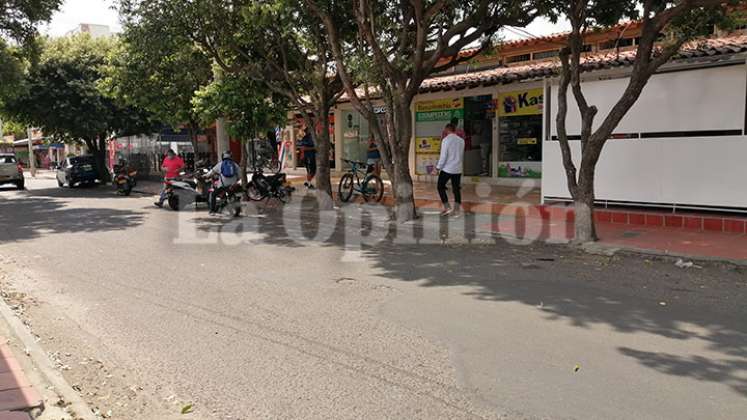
{"x": 606, "y": 249}
{"x": 44, "y": 365}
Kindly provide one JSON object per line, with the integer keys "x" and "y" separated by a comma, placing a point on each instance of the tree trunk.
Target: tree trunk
{"x": 404, "y": 194}
{"x": 192, "y": 127}
{"x": 400, "y": 138}
{"x": 243, "y": 164}
{"x": 323, "y": 173}
{"x": 98, "y": 150}
{"x": 585, "y": 228}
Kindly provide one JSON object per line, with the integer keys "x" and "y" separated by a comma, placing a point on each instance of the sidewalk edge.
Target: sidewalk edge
{"x": 597, "y": 247}
{"x": 41, "y": 361}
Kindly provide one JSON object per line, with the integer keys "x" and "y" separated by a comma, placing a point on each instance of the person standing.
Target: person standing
{"x": 308, "y": 150}
{"x": 450, "y": 166}
{"x": 373, "y": 157}
{"x": 171, "y": 166}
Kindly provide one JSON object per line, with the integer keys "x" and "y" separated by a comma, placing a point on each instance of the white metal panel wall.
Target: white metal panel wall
{"x": 705, "y": 99}
{"x": 708, "y": 171}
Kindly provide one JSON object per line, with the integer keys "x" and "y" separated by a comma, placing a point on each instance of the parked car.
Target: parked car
{"x": 11, "y": 171}
{"x": 77, "y": 170}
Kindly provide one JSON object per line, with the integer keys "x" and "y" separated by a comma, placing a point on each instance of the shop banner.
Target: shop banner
{"x": 523, "y": 102}
{"x": 427, "y": 145}
{"x": 440, "y": 105}
{"x": 426, "y": 164}
{"x": 439, "y": 110}
{"x": 444, "y": 115}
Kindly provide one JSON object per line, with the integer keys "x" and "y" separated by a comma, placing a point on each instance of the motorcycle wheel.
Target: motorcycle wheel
{"x": 173, "y": 202}
{"x": 252, "y": 193}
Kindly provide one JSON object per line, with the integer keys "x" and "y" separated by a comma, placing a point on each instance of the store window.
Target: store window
{"x": 520, "y": 133}
{"x": 431, "y": 118}
{"x": 474, "y": 118}
{"x": 479, "y": 115}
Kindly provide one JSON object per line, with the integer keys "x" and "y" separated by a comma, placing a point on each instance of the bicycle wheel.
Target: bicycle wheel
{"x": 373, "y": 188}
{"x": 346, "y": 187}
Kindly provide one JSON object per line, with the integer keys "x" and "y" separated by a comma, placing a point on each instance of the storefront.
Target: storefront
{"x": 356, "y": 133}
{"x": 502, "y": 129}
{"x": 519, "y": 115}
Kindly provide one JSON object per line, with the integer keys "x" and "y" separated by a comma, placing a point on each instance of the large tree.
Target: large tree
{"x": 286, "y": 48}
{"x": 248, "y": 107}
{"x": 399, "y": 45}
{"x": 18, "y": 20}
{"x": 62, "y": 96}
{"x": 672, "y": 22}
{"x": 158, "y": 69}
{"x": 273, "y": 42}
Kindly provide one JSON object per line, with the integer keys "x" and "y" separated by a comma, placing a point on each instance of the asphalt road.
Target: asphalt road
{"x": 147, "y": 311}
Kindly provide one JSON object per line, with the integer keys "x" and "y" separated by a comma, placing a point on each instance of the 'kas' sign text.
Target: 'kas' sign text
{"x": 523, "y": 102}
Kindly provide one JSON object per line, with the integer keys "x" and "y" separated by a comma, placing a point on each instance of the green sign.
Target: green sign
{"x": 443, "y": 115}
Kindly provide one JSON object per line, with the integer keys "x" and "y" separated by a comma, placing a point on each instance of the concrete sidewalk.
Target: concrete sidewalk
{"x": 519, "y": 214}
{"x": 17, "y": 395}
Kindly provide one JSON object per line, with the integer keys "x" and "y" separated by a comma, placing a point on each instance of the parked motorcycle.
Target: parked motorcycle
{"x": 263, "y": 187}
{"x": 188, "y": 189}
{"x": 124, "y": 178}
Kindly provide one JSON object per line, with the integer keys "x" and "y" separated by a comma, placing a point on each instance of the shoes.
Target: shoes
{"x": 306, "y": 184}
{"x": 311, "y": 187}
{"x": 456, "y": 213}
{"x": 158, "y": 204}
{"x": 446, "y": 212}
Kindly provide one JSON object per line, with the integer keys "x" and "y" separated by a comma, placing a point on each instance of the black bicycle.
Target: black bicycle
{"x": 364, "y": 182}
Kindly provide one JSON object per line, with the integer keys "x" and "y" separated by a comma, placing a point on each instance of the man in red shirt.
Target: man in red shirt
{"x": 171, "y": 166}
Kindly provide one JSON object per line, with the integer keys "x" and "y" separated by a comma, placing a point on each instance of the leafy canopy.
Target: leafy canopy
{"x": 62, "y": 94}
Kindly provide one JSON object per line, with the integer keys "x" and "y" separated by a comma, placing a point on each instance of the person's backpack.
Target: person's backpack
{"x": 228, "y": 169}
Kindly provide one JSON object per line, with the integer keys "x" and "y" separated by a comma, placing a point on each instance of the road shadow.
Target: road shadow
{"x": 629, "y": 293}
{"x": 83, "y": 191}
{"x": 38, "y": 215}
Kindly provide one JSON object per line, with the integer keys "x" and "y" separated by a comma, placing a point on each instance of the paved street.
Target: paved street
{"x": 259, "y": 324}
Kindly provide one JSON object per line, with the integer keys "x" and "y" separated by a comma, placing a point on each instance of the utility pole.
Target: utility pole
{"x": 32, "y": 160}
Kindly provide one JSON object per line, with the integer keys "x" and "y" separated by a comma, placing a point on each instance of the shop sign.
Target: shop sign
{"x": 440, "y": 105}
{"x": 443, "y": 115}
{"x": 523, "y": 102}
{"x": 427, "y": 145}
{"x": 526, "y": 141}
{"x": 426, "y": 164}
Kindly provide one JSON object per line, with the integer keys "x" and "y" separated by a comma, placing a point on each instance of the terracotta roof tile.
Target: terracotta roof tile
{"x": 711, "y": 47}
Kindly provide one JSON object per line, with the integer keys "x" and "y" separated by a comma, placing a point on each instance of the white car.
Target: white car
{"x": 11, "y": 171}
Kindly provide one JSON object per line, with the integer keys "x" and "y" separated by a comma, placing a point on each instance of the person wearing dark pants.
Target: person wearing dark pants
{"x": 450, "y": 165}
{"x": 456, "y": 186}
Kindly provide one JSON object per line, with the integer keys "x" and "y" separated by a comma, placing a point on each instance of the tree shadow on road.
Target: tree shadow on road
{"x": 36, "y": 216}
{"x": 628, "y": 293}
{"x": 631, "y": 294}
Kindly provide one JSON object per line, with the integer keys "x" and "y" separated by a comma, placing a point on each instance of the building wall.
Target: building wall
{"x": 684, "y": 141}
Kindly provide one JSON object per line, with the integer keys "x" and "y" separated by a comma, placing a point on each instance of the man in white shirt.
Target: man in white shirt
{"x": 450, "y": 165}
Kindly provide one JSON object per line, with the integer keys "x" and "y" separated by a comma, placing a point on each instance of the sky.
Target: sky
{"x": 74, "y": 12}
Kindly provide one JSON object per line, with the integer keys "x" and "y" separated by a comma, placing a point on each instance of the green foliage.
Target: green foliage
{"x": 158, "y": 69}
{"x": 248, "y": 106}
{"x": 18, "y": 18}
{"x": 17, "y": 23}
{"x": 62, "y": 94}
{"x": 14, "y": 128}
